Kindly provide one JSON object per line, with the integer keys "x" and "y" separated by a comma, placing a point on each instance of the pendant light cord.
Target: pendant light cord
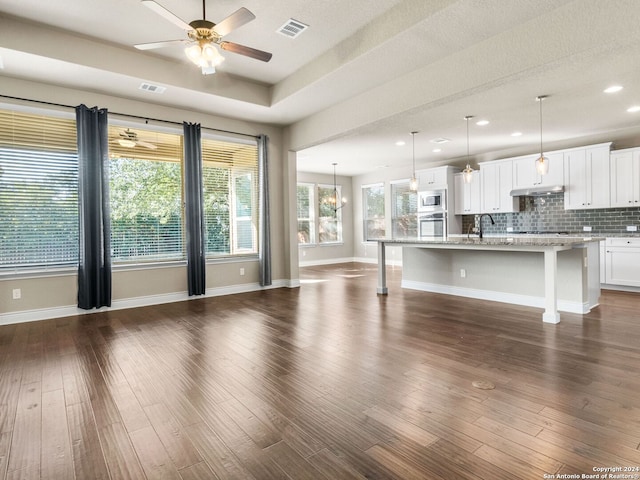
{"x": 467, "y": 119}
{"x": 413, "y": 140}
{"x": 540, "y": 98}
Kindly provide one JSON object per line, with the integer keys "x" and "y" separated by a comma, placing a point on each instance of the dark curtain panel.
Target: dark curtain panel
{"x": 94, "y": 268}
{"x": 194, "y": 209}
{"x": 265, "y": 219}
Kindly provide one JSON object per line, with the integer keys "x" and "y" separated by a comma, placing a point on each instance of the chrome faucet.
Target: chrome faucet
{"x": 480, "y": 223}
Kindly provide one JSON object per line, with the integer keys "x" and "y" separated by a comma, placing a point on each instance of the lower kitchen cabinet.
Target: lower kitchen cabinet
{"x": 622, "y": 263}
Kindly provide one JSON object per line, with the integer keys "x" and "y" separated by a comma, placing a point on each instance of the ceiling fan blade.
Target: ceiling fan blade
{"x": 233, "y": 21}
{"x": 163, "y": 12}
{"x": 147, "y": 144}
{"x": 246, "y": 51}
{"x": 151, "y": 46}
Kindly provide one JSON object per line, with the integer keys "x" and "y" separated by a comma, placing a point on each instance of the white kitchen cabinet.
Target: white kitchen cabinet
{"x": 433, "y": 178}
{"x": 467, "y": 195}
{"x": 525, "y": 174}
{"x": 586, "y": 177}
{"x": 496, "y": 179}
{"x": 603, "y": 262}
{"x": 623, "y": 261}
{"x": 625, "y": 178}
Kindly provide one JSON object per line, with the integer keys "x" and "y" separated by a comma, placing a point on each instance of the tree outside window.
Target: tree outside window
{"x": 306, "y": 209}
{"x": 373, "y": 211}
{"x": 329, "y": 217}
{"x": 404, "y": 208}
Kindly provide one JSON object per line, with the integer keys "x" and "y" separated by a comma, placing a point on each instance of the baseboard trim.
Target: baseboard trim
{"x": 503, "y": 297}
{"x": 133, "y": 302}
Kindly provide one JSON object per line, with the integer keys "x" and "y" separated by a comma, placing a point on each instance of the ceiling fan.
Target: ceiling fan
{"x": 203, "y": 34}
{"x": 129, "y": 139}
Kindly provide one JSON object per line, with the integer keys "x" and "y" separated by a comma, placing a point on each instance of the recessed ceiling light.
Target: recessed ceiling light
{"x": 482, "y": 123}
{"x": 400, "y": 143}
{"x": 436, "y": 150}
{"x": 516, "y": 134}
{"x": 613, "y": 89}
{"x": 633, "y": 109}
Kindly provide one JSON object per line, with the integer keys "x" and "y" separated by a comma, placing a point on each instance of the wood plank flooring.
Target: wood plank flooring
{"x": 328, "y": 381}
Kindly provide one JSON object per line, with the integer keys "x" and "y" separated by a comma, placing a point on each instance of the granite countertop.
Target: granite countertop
{"x": 514, "y": 241}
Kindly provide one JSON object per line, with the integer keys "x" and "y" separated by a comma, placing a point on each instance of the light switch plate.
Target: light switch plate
{"x": 632, "y": 228}
{"x": 586, "y": 229}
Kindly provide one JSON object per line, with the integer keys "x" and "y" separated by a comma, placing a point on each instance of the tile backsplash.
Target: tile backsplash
{"x": 547, "y": 214}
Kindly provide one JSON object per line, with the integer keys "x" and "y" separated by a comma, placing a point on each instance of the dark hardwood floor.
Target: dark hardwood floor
{"x": 327, "y": 381}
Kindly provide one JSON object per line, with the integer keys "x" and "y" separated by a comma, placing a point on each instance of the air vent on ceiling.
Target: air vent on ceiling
{"x": 147, "y": 87}
{"x": 440, "y": 140}
{"x": 292, "y": 28}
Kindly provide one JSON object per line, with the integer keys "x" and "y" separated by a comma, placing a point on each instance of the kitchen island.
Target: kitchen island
{"x": 555, "y": 273}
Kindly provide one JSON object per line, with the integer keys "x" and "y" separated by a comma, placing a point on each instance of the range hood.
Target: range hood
{"x": 537, "y": 191}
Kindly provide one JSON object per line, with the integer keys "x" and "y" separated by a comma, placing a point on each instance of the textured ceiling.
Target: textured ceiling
{"x": 364, "y": 74}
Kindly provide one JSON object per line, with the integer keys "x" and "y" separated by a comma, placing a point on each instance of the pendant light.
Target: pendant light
{"x": 413, "y": 183}
{"x": 542, "y": 163}
{"x": 467, "y": 173}
{"x": 336, "y": 201}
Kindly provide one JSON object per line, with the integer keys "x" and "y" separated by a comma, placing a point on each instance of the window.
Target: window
{"x": 306, "y": 223}
{"x": 318, "y": 219}
{"x": 38, "y": 191}
{"x": 146, "y": 197}
{"x": 230, "y": 183}
{"x": 329, "y": 218}
{"x": 373, "y": 211}
{"x": 404, "y": 208}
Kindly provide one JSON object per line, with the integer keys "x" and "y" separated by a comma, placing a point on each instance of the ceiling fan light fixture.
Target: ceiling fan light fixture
{"x": 125, "y": 142}
{"x": 194, "y": 53}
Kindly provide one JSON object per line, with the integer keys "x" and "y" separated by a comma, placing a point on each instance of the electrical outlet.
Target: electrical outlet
{"x": 586, "y": 228}
{"x": 242, "y": 271}
{"x": 463, "y": 273}
{"x": 632, "y": 228}
{"x": 17, "y": 294}
{"x": 509, "y": 229}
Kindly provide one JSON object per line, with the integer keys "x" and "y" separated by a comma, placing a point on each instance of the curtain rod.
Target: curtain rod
{"x": 171, "y": 122}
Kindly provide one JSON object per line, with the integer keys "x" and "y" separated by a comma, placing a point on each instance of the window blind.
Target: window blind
{"x": 38, "y": 191}
{"x": 305, "y": 209}
{"x": 146, "y": 196}
{"x": 404, "y": 208}
{"x": 230, "y": 186}
{"x": 373, "y": 211}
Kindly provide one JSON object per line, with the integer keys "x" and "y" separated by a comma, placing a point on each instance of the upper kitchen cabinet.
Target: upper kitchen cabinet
{"x": 625, "y": 178}
{"x": 467, "y": 195}
{"x": 433, "y": 178}
{"x": 497, "y": 182}
{"x": 525, "y": 174}
{"x": 587, "y": 177}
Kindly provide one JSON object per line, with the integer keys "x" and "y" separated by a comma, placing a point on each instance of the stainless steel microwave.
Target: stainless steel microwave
{"x": 433, "y": 200}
